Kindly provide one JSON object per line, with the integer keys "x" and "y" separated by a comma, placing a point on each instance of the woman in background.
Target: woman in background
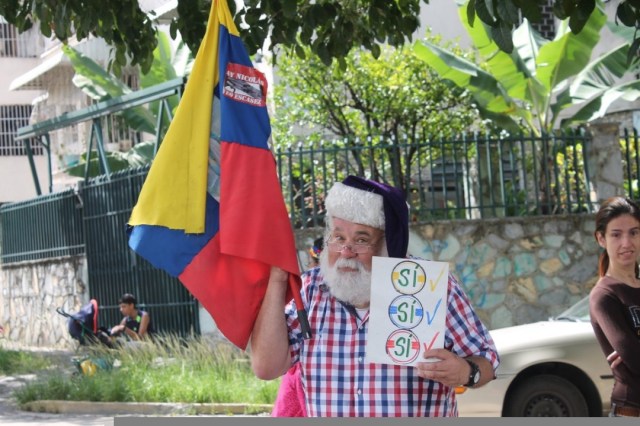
{"x": 615, "y": 301}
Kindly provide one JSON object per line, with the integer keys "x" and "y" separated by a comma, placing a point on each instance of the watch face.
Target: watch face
{"x": 474, "y": 375}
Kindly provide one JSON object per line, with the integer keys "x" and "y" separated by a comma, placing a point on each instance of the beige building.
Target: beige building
{"x": 18, "y": 54}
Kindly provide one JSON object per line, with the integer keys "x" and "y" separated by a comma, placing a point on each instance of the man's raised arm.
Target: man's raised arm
{"x": 270, "y": 356}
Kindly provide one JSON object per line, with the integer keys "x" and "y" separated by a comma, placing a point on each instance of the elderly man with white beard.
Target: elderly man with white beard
{"x": 365, "y": 219}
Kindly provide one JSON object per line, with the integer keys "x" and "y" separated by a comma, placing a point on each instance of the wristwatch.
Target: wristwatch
{"x": 474, "y": 374}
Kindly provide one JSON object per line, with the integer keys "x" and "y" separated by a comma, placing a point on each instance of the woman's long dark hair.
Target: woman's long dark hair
{"x": 610, "y": 209}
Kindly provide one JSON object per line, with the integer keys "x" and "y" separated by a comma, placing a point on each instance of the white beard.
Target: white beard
{"x": 350, "y": 287}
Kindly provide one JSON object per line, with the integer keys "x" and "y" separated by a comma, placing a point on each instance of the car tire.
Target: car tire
{"x": 546, "y": 396}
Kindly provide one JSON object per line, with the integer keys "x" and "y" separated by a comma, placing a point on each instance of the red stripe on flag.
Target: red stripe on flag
{"x": 230, "y": 288}
{"x": 229, "y": 276}
{"x": 254, "y": 223}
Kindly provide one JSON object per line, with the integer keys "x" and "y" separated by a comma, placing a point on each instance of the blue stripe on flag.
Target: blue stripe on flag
{"x": 241, "y": 122}
{"x": 172, "y": 250}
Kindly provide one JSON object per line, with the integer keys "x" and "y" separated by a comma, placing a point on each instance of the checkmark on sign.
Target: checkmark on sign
{"x": 434, "y": 284}
{"x": 426, "y": 348}
{"x": 431, "y": 318}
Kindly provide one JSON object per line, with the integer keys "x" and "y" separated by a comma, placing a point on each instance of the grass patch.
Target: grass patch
{"x": 19, "y": 362}
{"x": 167, "y": 370}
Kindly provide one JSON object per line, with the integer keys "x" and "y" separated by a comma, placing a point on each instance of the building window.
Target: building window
{"x": 8, "y": 40}
{"x": 547, "y": 25}
{"x": 13, "y": 44}
{"x": 13, "y": 117}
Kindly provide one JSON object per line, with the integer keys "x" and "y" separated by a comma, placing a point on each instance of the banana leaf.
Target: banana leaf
{"x": 101, "y": 85}
{"x": 568, "y": 53}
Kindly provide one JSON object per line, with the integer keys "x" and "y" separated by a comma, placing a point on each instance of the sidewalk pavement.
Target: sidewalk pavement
{"x": 88, "y": 413}
{"x": 147, "y": 408}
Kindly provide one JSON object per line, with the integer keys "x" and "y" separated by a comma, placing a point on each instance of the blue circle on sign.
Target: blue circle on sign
{"x": 406, "y": 311}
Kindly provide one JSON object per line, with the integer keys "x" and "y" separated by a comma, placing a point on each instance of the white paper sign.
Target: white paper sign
{"x": 408, "y": 309}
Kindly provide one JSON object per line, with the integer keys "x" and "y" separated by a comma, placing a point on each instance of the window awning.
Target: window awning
{"x": 34, "y": 78}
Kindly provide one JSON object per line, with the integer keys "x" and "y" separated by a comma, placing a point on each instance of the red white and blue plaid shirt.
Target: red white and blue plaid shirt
{"x": 338, "y": 382}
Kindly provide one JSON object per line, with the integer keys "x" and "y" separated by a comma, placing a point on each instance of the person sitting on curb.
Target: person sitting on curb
{"x": 136, "y": 323}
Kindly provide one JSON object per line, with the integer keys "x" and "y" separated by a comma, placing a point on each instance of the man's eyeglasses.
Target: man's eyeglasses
{"x": 335, "y": 244}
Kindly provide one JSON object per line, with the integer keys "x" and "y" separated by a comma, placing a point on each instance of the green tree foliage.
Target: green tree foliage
{"x": 169, "y": 62}
{"x": 394, "y": 100}
{"x": 121, "y": 23}
{"x": 530, "y": 87}
{"x": 394, "y": 96}
{"x": 330, "y": 28}
{"x": 503, "y": 16}
{"x": 536, "y": 82}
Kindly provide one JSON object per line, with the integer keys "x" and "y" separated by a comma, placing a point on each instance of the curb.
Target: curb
{"x": 143, "y": 408}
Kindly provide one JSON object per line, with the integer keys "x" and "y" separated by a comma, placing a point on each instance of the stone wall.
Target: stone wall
{"x": 31, "y": 292}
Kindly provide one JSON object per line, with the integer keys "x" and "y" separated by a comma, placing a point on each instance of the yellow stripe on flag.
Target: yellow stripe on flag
{"x": 174, "y": 193}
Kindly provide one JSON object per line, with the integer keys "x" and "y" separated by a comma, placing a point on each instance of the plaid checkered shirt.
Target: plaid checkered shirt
{"x": 338, "y": 382}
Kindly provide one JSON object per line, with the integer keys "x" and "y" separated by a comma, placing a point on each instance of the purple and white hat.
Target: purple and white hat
{"x": 374, "y": 204}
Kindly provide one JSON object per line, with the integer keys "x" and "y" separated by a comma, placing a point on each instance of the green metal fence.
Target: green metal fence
{"x": 114, "y": 269}
{"x": 473, "y": 177}
{"x": 41, "y": 228}
{"x": 91, "y": 221}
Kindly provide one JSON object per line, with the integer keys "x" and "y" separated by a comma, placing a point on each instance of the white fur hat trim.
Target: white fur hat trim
{"x": 355, "y": 205}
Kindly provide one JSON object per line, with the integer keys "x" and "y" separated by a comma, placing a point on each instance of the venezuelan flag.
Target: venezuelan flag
{"x": 211, "y": 211}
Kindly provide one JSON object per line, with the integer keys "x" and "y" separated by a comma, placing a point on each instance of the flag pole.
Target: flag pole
{"x": 295, "y": 284}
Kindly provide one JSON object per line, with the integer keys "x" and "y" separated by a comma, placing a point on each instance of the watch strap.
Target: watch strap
{"x": 474, "y": 374}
